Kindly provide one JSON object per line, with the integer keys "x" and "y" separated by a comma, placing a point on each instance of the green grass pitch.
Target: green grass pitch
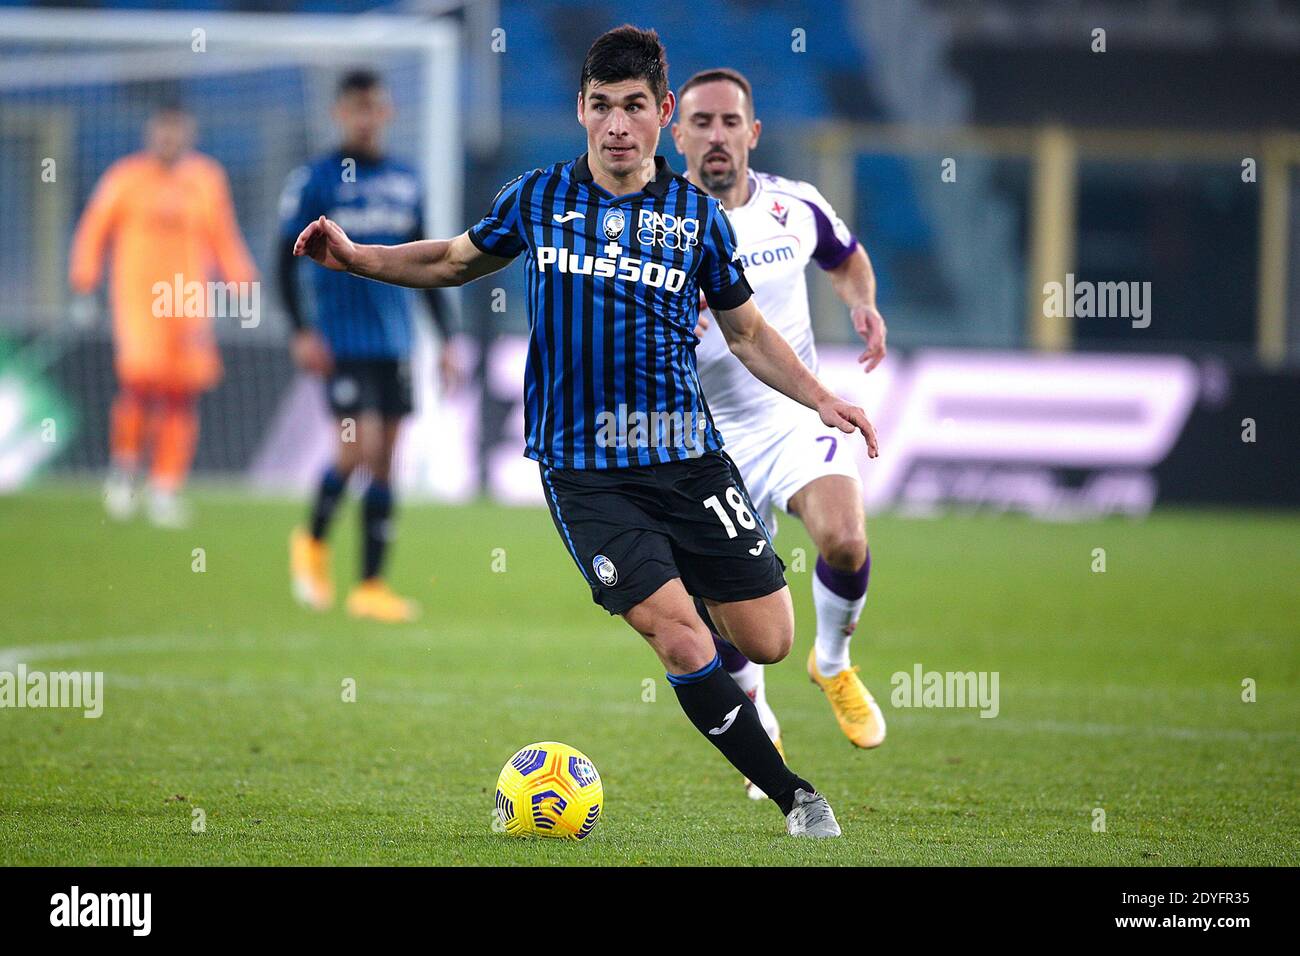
{"x": 1119, "y": 690}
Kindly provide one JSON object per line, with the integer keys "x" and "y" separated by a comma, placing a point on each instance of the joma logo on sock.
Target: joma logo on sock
{"x": 959, "y": 689}
{"x": 726, "y": 722}
{"x": 103, "y": 909}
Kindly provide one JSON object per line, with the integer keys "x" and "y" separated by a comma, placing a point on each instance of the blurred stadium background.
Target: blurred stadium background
{"x": 1172, "y": 158}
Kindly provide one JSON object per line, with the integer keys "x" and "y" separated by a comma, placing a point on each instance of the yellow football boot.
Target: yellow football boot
{"x": 375, "y": 600}
{"x": 855, "y": 709}
{"x": 309, "y": 567}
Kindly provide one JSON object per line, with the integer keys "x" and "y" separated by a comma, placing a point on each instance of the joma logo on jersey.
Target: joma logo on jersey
{"x": 664, "y": 229}
{"x": 652, "y": 274}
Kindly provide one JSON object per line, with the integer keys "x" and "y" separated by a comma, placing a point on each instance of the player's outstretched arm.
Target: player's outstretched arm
{"x": 855, "y": 283}
{"x": 770, "y": 359}
{"x": 426, "y": 264}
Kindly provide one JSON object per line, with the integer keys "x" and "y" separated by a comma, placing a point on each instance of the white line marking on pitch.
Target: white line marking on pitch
{"x": 10, "y": 657}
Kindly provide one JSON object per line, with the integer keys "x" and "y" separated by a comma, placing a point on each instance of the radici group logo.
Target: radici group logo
{"x": 666, "y": 230}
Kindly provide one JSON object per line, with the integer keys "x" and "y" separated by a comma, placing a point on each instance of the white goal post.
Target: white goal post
{"x": 76, "y": 87}
{"x": 155, "y": 43}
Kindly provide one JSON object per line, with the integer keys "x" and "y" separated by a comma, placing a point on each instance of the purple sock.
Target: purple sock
{"x": 732, "y": 659}
{"x": 849, "y": 585}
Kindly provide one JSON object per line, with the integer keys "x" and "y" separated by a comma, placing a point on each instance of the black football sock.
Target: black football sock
{"x": 721, "y": 711}
{"x": 328, "y": 494}
{"x": 376, "y": 510}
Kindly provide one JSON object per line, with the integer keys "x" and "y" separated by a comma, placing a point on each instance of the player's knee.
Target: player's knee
{"x": 171, "y": 400}
{"x": 773, "y": 644}
{"x": 379, "y": 461}
{"x": 683, "y": 646}
{"x": 348, "y": 458}
{"x": 846, "y": 550}
{"x": 764, "y": 655}
{"x": 773, "y": 648}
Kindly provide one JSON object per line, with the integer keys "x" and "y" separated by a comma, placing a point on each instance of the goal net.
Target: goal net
{"x": 76, "y": 88}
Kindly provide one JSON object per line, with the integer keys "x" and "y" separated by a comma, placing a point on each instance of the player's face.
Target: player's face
{"x": 715, "y": 133}
{"x": 623, "y": 123}
{"x": 362, "y": 116}
{"x": 170, "y": 135}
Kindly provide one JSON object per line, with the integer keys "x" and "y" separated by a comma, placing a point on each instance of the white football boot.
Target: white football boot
{"x": 120, "y": 498}
{"x": 167, "y": 510}
{"x": 811, "y": 816}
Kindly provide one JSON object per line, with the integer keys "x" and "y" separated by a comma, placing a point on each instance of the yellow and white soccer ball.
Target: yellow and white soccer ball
{"x": 549, "y": 790}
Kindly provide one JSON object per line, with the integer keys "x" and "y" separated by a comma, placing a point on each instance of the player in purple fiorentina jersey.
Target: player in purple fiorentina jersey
{"x": 789, "y": 459}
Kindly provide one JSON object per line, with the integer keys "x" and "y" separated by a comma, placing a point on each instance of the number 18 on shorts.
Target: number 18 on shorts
{"x": 631, "y": 530}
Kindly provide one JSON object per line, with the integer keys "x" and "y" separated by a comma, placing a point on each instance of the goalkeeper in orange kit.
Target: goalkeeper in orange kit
{"x": 165, "y": 217}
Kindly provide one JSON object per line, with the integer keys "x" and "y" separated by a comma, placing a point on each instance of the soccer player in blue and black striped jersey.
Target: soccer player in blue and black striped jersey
{"x": 360, "y": 341}
{"x": 618, "y": 249}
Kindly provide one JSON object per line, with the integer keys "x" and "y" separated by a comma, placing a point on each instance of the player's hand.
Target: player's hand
{"x": 849, "y": 418}
{"x": 870, "y": 326}
{"x": 451, "y": 368}
{"x": 84, "y": 312}
{"x": 702, "y": 320}
{"x": 325, "y": 242}
{"x": 311, "y": 354}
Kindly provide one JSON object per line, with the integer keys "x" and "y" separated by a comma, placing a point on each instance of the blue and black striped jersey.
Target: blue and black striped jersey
{"x": 614, "y": 285}
{"x": 382, "y": 204}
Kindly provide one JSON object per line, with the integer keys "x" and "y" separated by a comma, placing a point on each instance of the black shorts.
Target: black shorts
{"x": 632, "y": 530}
{"x": 380, "y": 385}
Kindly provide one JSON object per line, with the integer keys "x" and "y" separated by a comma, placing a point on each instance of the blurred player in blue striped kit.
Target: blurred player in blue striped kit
{"x": 790, "y": 460}
{"x": 360, "y": 340}
{"x": 617, "y": 250}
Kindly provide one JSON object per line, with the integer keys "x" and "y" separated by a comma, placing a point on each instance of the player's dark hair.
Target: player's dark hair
{"x": 627, "y": 53}
{"x": 358, "y": 81}
{"x": 171, "y": 108}
{"x": 724, "y": 73}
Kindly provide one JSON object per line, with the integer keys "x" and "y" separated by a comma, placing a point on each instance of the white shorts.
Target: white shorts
{"x": 779, "y": 458}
